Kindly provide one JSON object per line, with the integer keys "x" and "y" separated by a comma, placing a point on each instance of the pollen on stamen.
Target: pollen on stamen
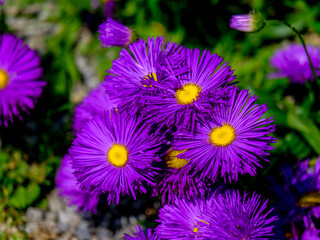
{"x": 4, "y": 79}
{"x": 222, "y": 136}
{"x": 117, "y": 155}
{"x": 188, "y": 94}
{"x": 173, "y": 161}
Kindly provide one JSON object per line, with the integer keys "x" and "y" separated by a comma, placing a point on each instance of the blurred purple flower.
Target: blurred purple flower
{"x": 231, "y": 142}
{"x": 20, "y": 78}
{"x": 68, "y": 188}
{"x": 140, "y": 235}
{"x": 113, "y": 154}
{"x": 292, "y": 62}
{"x": 299, "y": 196}
{"x": 97, "y": 102}
{"x": 114, "y": 34}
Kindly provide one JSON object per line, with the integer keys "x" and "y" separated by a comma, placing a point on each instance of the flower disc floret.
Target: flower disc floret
{"x": 4, "y": 78}
{"x": 222, "y": 136}
{"x": 188, "y": 94}
{"x": 117, "y": 155}
{"x": 173, "y": 161}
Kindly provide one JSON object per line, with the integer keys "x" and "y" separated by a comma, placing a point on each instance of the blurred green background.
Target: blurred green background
{"x": 64, "y": 32}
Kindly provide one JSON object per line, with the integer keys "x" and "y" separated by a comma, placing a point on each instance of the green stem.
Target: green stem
{"x": 315, "y": 82}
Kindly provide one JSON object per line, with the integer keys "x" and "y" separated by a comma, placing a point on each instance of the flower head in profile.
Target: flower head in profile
{"x": 237, "y": 217}
{"x": 189, "y": 99}
{"x": 140, "y": 71}
{"x": 113, "y": 154}
{"x": 252, "y": 22}
{"x": 114, "y": 34}
{"x": 68, "y": 188}
{"x": 140, "y": 235}
{"x": 97, "y": 102}
{"x": 231, "y": 142}
{"x": 1, "y": 2}
{"x": 292, "y": 62}
{"x": 21, "y": 81}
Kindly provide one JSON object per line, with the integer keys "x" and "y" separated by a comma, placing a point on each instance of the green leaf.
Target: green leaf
{"x": 23, "y": 197}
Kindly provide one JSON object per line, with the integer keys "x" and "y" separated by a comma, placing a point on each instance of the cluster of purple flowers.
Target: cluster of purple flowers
{"x": 169, "y": 120}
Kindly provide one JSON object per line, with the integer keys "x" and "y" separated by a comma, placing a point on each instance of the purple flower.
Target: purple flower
{"x": 20, "y": 78}
{"x": 97, "y": 102}
{"x": 114, "y": 34}
{"x": 181, "y": 220}
{"x": 113, "y": 154}
{"x": 179, "y": 180}
{"x": 189, "y": 99}
{"x": 252, "y": 22}
{"x": 292, "y": 62}
{"x": 68, "y": 188}
{"x": 236, "y": 217}
{"x": 299, "y": 196}
{"x": 2, "y": 2}
{"x": 231, "y": 142}
{"x": 140, "y": 235}
{"x": 142, "y": 70}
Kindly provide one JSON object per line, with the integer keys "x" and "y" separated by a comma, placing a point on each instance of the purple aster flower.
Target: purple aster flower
{"x": 252, "y": 22}
{"x": 190, "y": 98}
{"x": 292, "y": 62}
{"x": 182, "y": 219}
{"x": 114, "y": 34}
{"x": 179, "y": 180}
{"x": 299, "y": 196}
{"x": 97, "y": 102}
{"x": 142, "y": 70}
{"x": 140, "y": 235}
{"x": 20, "y": 78}
{"x": 68, "y": 188}
{"x": 236, "y": 217}
{"x": 113, "y": 154}
{"x": 231, "y": 142}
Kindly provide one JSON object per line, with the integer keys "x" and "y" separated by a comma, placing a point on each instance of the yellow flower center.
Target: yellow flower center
{"x": 4, "y": 79}
{"x": 311, "y": 199}
{"x": 196, "y": 229}
{"x": 222, "y": 136}
{"x": 151, "y": 76}
{"x": 117, "y": 155}
{"x": 174, "y": 162}
{"x": 188, "y": 93}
